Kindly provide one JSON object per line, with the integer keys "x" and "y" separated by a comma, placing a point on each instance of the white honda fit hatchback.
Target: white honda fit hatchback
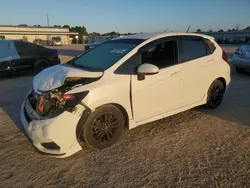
{"x": 119, "y": 85}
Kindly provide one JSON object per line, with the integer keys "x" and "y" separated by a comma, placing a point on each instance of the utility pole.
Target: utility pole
{"x": 48, "y": 36}
{"x": 48, "y": 20}
{"x": 237, "y": 27}
{"x": 188, "y": 28}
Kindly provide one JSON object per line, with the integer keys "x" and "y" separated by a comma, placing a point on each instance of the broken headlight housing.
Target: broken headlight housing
{"x": 71, "y": 100}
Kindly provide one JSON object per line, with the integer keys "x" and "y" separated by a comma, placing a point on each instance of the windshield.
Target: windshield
{"x": 57, "y": 39}
{"x": 105, "y": 55}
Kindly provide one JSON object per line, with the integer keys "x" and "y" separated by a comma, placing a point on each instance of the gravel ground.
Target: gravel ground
{"x": 196, "y": 148}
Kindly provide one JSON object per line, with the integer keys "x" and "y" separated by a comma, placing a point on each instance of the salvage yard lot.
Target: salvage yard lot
{"x": 196, "y": 148}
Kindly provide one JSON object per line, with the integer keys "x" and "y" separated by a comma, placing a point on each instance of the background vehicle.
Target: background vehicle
{"x": 56, "y": 41}
{"x": 20, "y": 55}
{"x": 94, "y": 44}
{"x": 43, "y": 42}
{"x": 225, "y": 41}
{"x": 241, "y": 58}
{"x": 120, "y": 84}
{"x": 39, "y": 42}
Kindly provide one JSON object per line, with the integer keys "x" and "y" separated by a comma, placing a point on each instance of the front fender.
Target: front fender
{"x": 99, "y": 96}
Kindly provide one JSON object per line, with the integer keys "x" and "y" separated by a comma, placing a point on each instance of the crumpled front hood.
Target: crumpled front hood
{"x": 54, "y": 77}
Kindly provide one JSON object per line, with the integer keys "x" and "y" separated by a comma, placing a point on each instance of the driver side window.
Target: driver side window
{"x": 162, "y": 53}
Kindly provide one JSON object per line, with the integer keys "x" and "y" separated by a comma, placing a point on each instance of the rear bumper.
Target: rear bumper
{"x": 56, "y": 136}
{"x": 240, "y": 62}
{"x": 57, "y": 44}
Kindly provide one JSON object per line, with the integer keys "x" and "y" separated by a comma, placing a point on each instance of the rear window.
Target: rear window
{"x": 210, "y": 46}
{"x": 191, "y": 48}
{"x": 27, "y": 48}
{"x": 5, "y": 50}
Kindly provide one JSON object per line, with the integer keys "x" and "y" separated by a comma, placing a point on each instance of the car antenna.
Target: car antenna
{"x": 188, "y": 28}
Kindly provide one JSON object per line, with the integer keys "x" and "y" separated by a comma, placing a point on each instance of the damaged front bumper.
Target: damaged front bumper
{"x": 56, "y": 136}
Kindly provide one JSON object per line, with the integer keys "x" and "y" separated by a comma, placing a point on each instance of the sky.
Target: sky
{"x": 129, "y": 15}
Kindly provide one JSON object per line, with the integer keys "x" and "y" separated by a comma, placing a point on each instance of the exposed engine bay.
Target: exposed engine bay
{"x": 52, "y": 103}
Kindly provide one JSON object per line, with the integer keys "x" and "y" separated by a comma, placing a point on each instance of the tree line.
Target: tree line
{"x": 229, "y": 30}
{"x": 83, "y": 31}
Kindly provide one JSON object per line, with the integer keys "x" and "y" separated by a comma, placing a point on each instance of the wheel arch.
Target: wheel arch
{"x": 42, "y": 58}
{"x": 223, "y": 80}
{"x": 122, "y": 109}
{"x": 124, "y": 112}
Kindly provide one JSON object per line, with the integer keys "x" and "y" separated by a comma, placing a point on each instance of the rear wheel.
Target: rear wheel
{"x": 240, "y": 70}
{"x": 103, "y": 127}
{"x": 215, "y": 94}
{"x": 40, "y": 65}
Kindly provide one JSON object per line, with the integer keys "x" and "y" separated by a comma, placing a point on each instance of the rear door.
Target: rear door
{"x": 26, "y": 51}
{"x": 198, "y": 64}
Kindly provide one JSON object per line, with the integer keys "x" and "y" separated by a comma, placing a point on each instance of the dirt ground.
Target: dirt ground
{"x": 196, "y": 148}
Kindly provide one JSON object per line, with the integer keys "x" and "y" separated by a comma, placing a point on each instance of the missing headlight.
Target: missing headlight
{"x": 71, "y": 100}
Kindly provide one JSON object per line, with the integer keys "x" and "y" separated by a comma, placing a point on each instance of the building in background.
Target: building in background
{"x": 30, "y": 33}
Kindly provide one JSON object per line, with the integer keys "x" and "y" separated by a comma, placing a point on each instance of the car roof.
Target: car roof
{"x": 156, "y": 35}
{"x": 10, "y": 40}
{"x": 6, "y": 40}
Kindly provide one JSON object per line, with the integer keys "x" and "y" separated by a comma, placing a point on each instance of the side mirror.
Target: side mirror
{"x": 147, "y": 69}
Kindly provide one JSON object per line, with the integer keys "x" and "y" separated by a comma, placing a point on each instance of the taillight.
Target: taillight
{"x": 224, "y": 55}
{"x": 239, "y": 52}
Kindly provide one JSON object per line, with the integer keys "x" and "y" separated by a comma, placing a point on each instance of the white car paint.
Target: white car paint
{"x": 144, "y": 94}
{"x": 173, "y": 90}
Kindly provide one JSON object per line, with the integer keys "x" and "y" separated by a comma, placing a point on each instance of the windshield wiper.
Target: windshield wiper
{"x": 84, "y": 67}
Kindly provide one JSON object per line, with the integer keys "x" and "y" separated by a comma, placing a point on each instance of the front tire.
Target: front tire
{"x": 103, "y": 127}
{"x": 215, "y": 95}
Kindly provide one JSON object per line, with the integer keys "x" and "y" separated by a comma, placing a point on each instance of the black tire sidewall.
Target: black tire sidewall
{"x": 87, "y": 134}
{"x": 209, "y": 105}
{"x": 37, "y": 68}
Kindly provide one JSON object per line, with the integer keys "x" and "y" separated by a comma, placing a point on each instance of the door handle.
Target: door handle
{"x": 176, "y": 72}
{"x": 209, "y": 61}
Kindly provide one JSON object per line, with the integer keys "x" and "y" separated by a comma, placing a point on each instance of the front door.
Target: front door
{"x": 160, "y": 93}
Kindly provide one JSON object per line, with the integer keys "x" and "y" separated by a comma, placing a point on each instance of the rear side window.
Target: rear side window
{"x": 23, "y": 48}
{"x": 191, "y": 48}
{"x": 210, "y": 46}
{"x": 27, "y": 48}
{"x": 5, "y": 50}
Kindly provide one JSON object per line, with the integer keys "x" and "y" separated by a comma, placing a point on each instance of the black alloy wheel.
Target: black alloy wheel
{"x": 102, "y": 128}
{"x": 215, "y": 94}
{"x": 105, "y": 126}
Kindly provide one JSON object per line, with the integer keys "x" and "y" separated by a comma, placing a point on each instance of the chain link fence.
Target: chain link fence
{"x": 90, "y": 39}
{"x": 87, "y": 39}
